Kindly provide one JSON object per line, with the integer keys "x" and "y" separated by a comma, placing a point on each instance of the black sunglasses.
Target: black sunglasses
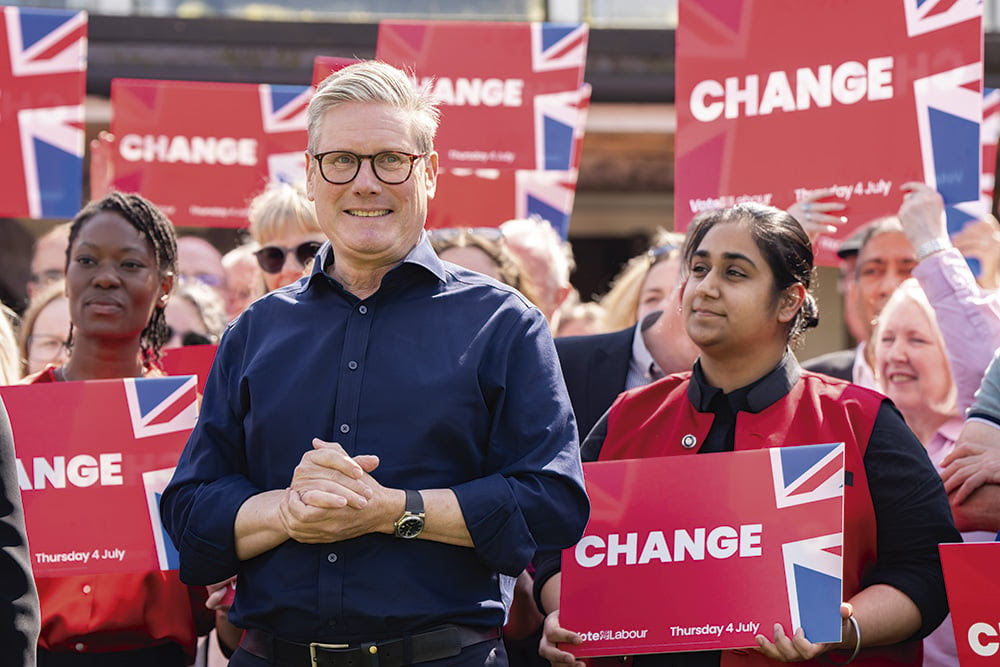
{"x": 190, "y": 337}
{"x": 272, "y": 258}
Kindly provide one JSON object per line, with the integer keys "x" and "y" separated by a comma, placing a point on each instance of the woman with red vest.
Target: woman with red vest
{"x": 745, "y": 300}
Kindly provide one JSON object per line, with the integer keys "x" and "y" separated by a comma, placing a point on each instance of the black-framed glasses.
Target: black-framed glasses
{"x": 46, "y": 277}
{"x": 272, "y": 257}
{"x": 47, "y": 347}
{"x": 390, "y": 167}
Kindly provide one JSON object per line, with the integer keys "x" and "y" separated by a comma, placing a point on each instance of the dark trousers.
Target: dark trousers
{"x": 488, "y": 654}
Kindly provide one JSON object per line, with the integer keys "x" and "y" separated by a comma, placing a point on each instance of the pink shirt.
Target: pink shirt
{"x": 968, "y": 316}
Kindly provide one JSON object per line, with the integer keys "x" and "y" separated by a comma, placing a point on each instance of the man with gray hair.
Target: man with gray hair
{"x": 383, "y": 444}
{"x": 547, "y": 259}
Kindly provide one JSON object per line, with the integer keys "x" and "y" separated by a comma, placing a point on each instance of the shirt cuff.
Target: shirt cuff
{"x": 208, "y": 545}
{"x": 495, "y": 522}
{"x": 983, "y": 418}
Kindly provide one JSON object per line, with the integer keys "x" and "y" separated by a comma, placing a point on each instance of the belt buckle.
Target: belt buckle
{"x": 315, "y": 645}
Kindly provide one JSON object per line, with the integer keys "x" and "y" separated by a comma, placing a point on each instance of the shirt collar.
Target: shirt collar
{"x": 754, "y": 397}
{"x": 861, "y": 373}
{"x": 642, "y": 361}
{"x": 421, "y": 255}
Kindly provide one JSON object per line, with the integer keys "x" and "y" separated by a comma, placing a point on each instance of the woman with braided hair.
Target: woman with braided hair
{"x": 120, "y": 267}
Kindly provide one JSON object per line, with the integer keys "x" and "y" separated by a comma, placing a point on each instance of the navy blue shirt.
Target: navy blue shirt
{"x": 451, "y": 379}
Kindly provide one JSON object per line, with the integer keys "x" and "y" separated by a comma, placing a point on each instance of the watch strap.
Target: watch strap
{"x": 414, "y": 502}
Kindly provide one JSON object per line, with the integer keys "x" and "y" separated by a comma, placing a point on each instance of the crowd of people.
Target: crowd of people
{"x": 387, "y": 460}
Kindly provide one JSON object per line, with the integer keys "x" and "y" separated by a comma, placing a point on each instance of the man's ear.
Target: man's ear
{"x": 430, "y": 173}
{"x": 311, "y": 165}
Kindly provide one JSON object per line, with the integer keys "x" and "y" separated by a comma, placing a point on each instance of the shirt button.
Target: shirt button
{"x": 79, "y": 646}
{"x": 331, "y": 558}
{"x": 86, "y": 589}
{"x": 353, "y": 365}
{"x": 344, "y": 428}
{"x": 363, "y": 309}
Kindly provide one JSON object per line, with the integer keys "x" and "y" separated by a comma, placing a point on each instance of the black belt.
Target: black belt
{"x": 444, "y": 642}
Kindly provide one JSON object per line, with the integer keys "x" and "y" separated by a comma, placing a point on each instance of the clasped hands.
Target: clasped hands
{"x": 333, "y": 497}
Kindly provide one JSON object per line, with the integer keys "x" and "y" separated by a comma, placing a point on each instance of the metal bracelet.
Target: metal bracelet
{"x": 857, "y": 645}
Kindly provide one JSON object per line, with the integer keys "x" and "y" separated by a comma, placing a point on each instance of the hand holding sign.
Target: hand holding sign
{"x": 797, "y": 647}
{"x": 922, "y": 215}
{"x": 554, "y": 635}
{"x": 816, "y": 216}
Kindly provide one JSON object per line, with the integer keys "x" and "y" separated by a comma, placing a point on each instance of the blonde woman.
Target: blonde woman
{"x": 645, "y": 284}
{"x": 912, "y": 368}
{"x": 283, "y": 223}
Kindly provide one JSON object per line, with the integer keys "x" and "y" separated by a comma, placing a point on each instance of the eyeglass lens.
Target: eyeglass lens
{"x": 45, "y": 347}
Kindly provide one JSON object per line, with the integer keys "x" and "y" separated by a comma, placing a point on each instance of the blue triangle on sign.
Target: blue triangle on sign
{"x": 552, "y": 33}
{"x": 153, "y": 391}
{"x": 796, "y": 460}
{"x": 37, "y": 23}
{"x": 282, "y": 95}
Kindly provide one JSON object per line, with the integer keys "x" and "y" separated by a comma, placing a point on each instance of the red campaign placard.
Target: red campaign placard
{"x": 189, "y": 360}
{"x": 971, "y": 580}
{"x": 741, "y": 540}
{"x": 203, "y": 168}
{"x": 768, "y": 113}
{"x": 93, "y": 459}
{"x": 43, "y": 62}
{"x": 990, "y": 135}
{"x": 509, "y": 92}
{"x": 489, "y": 197}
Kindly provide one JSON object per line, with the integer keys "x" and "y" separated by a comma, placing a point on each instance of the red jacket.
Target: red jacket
{"x": 654, "y": 420}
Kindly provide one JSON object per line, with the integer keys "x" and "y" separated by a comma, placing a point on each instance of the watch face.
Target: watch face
{"x": 409, "y": 527}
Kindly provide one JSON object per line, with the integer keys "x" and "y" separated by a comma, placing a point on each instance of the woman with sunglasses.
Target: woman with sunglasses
{"x": 120, "y": 268}
{"x": 745, "y": 300}
{"x": 283, "y": 223}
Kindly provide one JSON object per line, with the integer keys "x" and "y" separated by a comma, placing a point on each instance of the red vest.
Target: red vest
{"x": 655, "y": 420}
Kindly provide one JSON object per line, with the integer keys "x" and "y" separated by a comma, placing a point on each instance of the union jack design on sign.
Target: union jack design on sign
{"x": 548, "y": 195}
{"x": 555, "y": 47}
{"x": 154, "y": 482}
{"x": 42, "y": 82}
{"x": 813, "y": 566}
{"x": 733, "y": 528}
{"x": 162, "y": 405}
